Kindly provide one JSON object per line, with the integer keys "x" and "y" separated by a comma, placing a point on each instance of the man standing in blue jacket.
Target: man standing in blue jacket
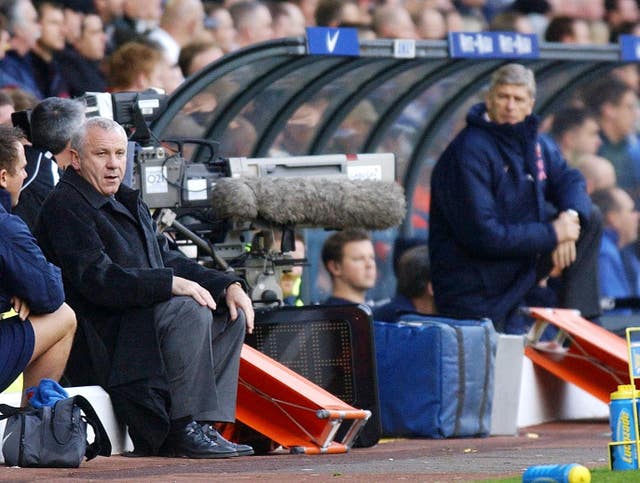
{"x": 506, "y": 211}
{"x": 36, "y": 326}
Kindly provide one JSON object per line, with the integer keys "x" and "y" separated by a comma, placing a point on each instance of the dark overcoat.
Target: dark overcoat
{"x": 115, "y": 268}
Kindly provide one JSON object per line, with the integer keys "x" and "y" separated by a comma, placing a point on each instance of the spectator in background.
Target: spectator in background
{"x": 625, "y": 28}
{"x": 629, "y": 74}
{"x": 430, "y": 24}
{"x": 239, "y": 138}
{"x": 219, "y": 24}
{"x": 454, "y": 21}
{"x": 511, "y": 21}
{"x": 308, "y": 9}
{"x": 537, "y": 11}
{"x": 474, "y": 13}
{"x": 351, "y": 136}
{"x": 16, "y": 66}
{"x": 618, "y": 277}
{"x": 73, "y": 12}
{"x": 618, "y": 12}
{"x": 350, "y": 260}
{"x": 593, "y": 13}
{"x": 136, "y": 66}
{"x": 5, "y": 38}
{"x": 568, "y": 30}
{"x": 333, "y": 13}
{"x": 393, "y": 22}
{"x": 598, "y": 172}
{"x": 6, "y": 109}
{"x": 252, "y": 21}
{"x": 138, "y": 19}
{"x": 576, "y": 132}
{"x": 110, "y": 11}
{"x": 414, "y": 292}
{"x": 196, "y": 55}
{"x": 80, "y": 63}
{"x": 615, "y": 104}
{"x": 22, "y": 100}
{"x": 288, "y": 20}
{"x": 182, "y": 22}
{"x": 46, "y": 68}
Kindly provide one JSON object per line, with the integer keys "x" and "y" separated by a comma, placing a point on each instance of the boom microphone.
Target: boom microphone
{"x": 330, "y": 202}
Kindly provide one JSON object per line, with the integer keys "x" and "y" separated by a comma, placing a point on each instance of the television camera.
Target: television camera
{"x": 230, "y": 208}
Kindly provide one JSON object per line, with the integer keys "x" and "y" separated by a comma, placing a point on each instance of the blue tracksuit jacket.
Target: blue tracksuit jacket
{"x": 24, "y": 271}
{"x": 493, "y": 192}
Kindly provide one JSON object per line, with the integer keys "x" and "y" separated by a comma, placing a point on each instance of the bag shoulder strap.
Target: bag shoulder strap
{"x": 101, "y": 444}
{"x": 8, "y": 411}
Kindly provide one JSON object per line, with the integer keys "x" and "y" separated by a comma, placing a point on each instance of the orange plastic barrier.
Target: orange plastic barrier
{"x": 583, "y": 353}
{"x": 291, "y": 410}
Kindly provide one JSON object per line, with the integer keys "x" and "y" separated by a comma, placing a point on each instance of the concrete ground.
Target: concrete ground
{"x": 583, "y": 442}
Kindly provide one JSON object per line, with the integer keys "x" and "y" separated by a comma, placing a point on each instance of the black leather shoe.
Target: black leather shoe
{"x": 213, "y": 435}
{"x": 192, "y": 442}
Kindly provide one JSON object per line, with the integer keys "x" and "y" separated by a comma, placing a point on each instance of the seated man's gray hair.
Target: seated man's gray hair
{"x": 515, "y": 74}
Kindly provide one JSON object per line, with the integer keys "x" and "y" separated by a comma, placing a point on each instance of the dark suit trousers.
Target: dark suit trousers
{"x": 201, "y": 354}
{"x": 579, "y": 287}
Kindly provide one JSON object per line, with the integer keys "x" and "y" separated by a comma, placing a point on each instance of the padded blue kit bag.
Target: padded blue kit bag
{"x": 435, "y": 376}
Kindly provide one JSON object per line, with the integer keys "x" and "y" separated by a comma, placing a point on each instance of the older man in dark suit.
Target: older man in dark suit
{"x": 152, "y": 331}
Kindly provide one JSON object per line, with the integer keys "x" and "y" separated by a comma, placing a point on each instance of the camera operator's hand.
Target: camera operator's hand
{"x": 236, "y": 298}
{"x": 21, "y": 307}
{"x": 182, "y": 286}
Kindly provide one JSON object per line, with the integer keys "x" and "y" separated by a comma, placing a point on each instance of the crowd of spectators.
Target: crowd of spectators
{"x": 68, "y": 47}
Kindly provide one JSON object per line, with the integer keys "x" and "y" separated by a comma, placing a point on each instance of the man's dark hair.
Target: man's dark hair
{"x": 605, "y": 200}
{"x": 610, "y": 5}
{"x": 627, "y": 28}
{"x": 332, "y": 247}
{"x": 531, "y": 6}
{"x": 413, "y": 272}
{"x": 558, "y": 28}
{"x": 607, "y": 90}
{"x": 190, "y": 51}
{"x": 41, "y": 4}
{"x": 569, "y": 118}
{"x": 9, "y": 136}
{"x": 53, "y": 122}
{"x": 328, "y": 12}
